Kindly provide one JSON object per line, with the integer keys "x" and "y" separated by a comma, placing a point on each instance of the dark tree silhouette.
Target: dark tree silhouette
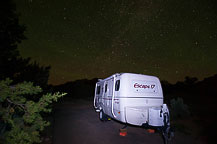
{"x": 11, "y": 63}
{"x": 79, "y": 89}
{"x": 11, "y": 33}
{"x": 190, "y": 80}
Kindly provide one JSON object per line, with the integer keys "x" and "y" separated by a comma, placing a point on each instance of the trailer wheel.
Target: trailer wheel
{"x": 102, "y": 116}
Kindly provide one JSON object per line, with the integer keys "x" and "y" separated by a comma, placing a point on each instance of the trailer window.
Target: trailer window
{"x": 117, "y": 85}
{"x": 98, "y": 90}
{"x": 106, "y": 88}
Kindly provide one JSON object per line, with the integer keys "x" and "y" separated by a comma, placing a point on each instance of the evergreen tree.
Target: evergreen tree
{"x": 20, "y": 119}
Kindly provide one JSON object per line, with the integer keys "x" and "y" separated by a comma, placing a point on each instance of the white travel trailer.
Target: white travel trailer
{"x": 132, "y": 99}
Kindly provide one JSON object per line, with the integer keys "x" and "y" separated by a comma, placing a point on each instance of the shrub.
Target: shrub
{"x": 20, "y": 118}
{"x": 178, "y": 109}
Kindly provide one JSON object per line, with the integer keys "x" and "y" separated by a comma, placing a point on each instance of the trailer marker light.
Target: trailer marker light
{"x": 119, "y": 112}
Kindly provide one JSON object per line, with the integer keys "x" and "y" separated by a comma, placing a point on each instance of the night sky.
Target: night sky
{"x": 82, "y": 39}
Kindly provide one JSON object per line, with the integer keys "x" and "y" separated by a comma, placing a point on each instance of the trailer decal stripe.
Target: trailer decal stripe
{"x": 109, "y": 99}
{"x": 117, "y": 98}
{"x": 142, "y": 97}
{"x": 134, "y": 97}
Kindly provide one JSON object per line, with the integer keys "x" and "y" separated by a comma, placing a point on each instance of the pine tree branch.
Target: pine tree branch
{"x": 16, "y": 104}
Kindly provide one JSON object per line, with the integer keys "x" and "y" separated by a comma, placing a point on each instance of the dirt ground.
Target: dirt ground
{"x": 78, "y": 123}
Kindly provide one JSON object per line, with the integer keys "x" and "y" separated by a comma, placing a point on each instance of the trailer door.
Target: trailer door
{"x": 115, "y": 94}
{"x": 97, "y": 95}
{"x": 110, "y": 92}
{"x": 105, "y": 97}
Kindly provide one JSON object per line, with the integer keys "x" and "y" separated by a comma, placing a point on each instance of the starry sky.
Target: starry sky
{"x": 85, "y": 39}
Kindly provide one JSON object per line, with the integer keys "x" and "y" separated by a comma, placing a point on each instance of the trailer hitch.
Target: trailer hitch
{"x": 167, "y": 134}
{"x": 167, "y": 131}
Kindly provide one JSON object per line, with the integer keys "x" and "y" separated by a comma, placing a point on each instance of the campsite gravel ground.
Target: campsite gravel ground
{"x": 78, "y": 123}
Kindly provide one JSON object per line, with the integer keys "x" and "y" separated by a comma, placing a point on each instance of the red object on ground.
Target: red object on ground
{"x": 123, "y": 132}
{"x": 151, "y": 130}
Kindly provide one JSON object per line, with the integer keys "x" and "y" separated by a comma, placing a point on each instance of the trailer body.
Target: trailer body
{"x": 135, "y": 99}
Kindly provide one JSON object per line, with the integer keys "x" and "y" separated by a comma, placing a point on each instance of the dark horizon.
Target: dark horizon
{"x": 162, "y": 80}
